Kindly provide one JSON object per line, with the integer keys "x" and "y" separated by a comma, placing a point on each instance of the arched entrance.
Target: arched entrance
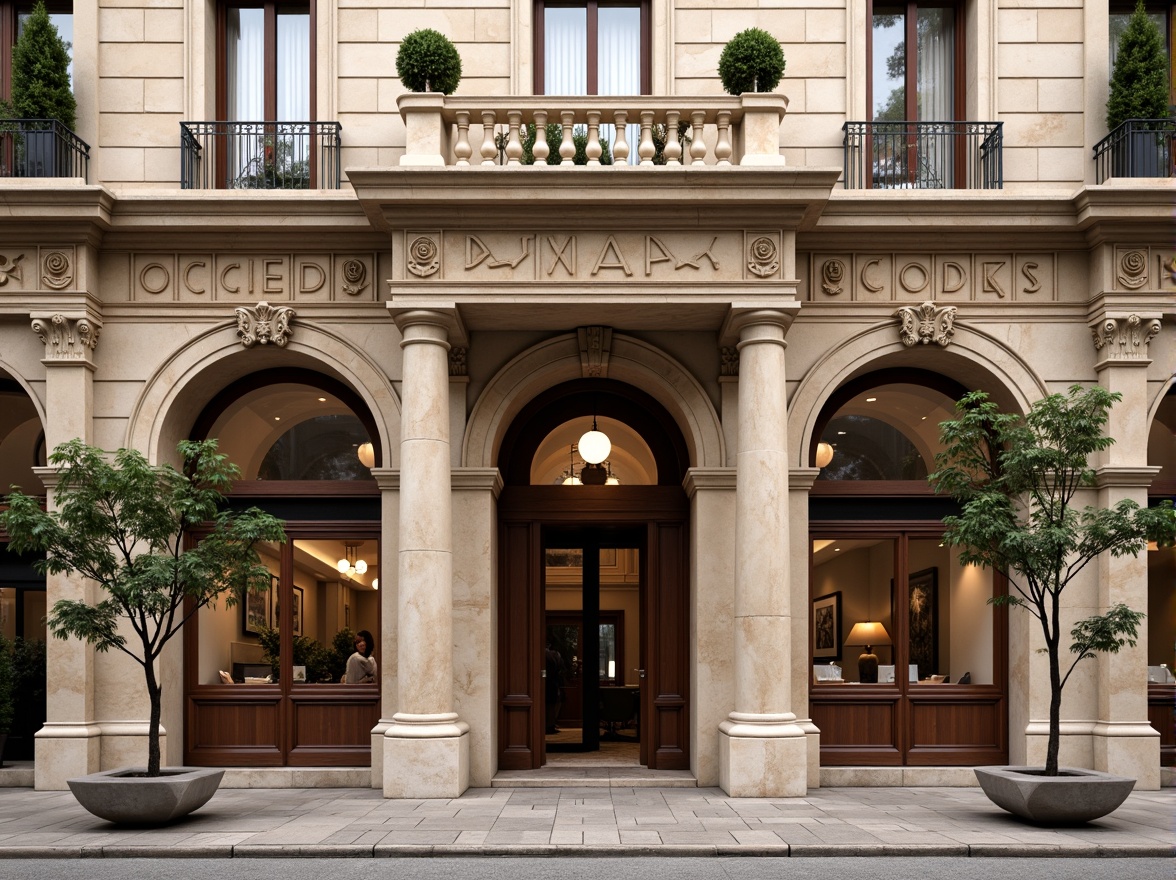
{"x": 1161, "y": 584}
{"x": 585, "y": 561}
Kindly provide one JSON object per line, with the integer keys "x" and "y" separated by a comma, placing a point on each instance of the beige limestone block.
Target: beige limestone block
{"x": 727, "y": 22}
{"x": 699, "y": 61}
{"x": 357, "y": 25}
{"x": 121, "y": 95}
{"x": 1019, "y": 95}
{"x": 368, "y": 59}
{"x": 435, "y": 767}
{"x": 1020, "y": 163}
{"x": 1051, "y": 130}
{"x": 1120, "y": 753}
{"x": 861, "y": 777}
{"x": 492, "y": 24}
{"x": 1046, "y": 60}
{"x": 164, "y": 25}
{"x": 1017, "y": 25}
{"x": 457, "y": 24}
{"x": 163, "y": 95}
{"x": 815, "y": 60}
{"x": 763, "y": 650}
{"x": 1060, "y": 95}
{"x": 140, "y": 59}
{"x": 121, "y": 25}
{"x": 1061, "y": 25}
{"x": 139, "y": 129}
{"x": 63, "y": 751}
{"x": 821, "y": 96}
{"x": 824, "y": 25}
{"x": 692, "y": 25}
{"x": 1063, "y": 164}
{"x": 763, "y": 766}
{"x": 485, "y": 60}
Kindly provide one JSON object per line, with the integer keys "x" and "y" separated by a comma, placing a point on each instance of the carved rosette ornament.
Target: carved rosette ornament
{"x": 422, "y": 257}
{"x": 729, "y": 364}
{"x": 457, "y": 361}
{"x": 1125, "y": 337}
{"x": 926, "y": 323}
{"x": 1132, "y": 272}
{"x": 264, "y": 324}
{"x": 66, "y": 338}
{"x": 832, "y": 274}
{"x": 354, "y": 277}
{"x": 56, "y": 272}
{"x": 762, "y": 257}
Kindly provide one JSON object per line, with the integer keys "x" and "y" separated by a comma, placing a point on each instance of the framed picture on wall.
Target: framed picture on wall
{"x": 826, "y": 634}
{"x": 923, "y": 621}
{"x": 297, "y": 609}
{"x": 255, "y": 610}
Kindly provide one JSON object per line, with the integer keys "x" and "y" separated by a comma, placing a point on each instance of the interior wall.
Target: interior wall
{"x": 1161, "y": 607}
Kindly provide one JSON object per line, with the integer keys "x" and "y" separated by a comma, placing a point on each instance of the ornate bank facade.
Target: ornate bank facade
{"x": 407, "y": 366}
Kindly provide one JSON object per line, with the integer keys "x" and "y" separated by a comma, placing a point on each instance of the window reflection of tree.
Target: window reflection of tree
{"x": 870, "y": 449}
{"x": 321, "y": 448}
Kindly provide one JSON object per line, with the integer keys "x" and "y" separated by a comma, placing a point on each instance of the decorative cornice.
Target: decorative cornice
{"x": 699, "y": 478}
{"x": 926, "y": 323}
{"x": 263, "y": 324}
{"x": 67, "y": 338}
{"x": 1124, "y": 337}
{"x": 595, "y": 348}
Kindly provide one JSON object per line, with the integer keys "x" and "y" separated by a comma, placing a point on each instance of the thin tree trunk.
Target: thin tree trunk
{"x": 1052, "y": 639}
{"x": 155, "y": 692}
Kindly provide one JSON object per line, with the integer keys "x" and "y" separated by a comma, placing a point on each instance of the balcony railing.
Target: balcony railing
{"x": 41, "y": 148}
{"x": 1137, "y": 148}
{"x": 923, "y": 155}
{"x": 259, "y": 155}
{"x": 464, "y": 130}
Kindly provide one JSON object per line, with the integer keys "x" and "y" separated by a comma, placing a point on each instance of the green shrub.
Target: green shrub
{"x": 555, "y": 137}
{"x": 7, "y": 685}
{"x": 1139, "y": 82}
{"x": 428, "y": 62}
{"x": 40, "y": 73}
{"x": 752, "y": 62}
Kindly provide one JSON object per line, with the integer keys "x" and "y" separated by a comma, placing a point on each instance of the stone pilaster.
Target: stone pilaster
{"x": 388, "y": 479}
{"x": 426, "y": 747}
{"x": 800, "y": 482}
{"x": 762, "y": 750}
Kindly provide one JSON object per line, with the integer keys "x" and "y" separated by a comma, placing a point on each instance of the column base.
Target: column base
{"x": 378, "y": 751}
{"x": 426, "y": 759}
{"x": 1128, "y": 749}
{"x": 63, "y": 750}
{"x": 812, "y": 736}
{"x": 763, "y": 759}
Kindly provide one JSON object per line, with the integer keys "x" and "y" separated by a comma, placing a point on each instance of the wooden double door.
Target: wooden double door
{"x": 554, "y": 546}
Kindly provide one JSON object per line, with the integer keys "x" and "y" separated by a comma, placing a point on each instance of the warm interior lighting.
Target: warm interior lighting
{"x": 375, "y": 583}
{"x": 594, "y": 445}
{"x": 351, "y": 565}
{"x": 868, "y": 633}
{"x": 367, "y": 454}
{"x": 612, "y": 668}
{"x": 824, "y": 454}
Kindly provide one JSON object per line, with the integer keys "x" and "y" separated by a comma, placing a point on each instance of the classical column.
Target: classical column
{"x": 1124, "y": 742}
{"x": 70, "y": 742}
{"x": 426, "y": 747}
{"x": 762, "y": 750}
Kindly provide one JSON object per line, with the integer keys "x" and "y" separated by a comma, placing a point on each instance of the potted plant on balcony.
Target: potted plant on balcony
{"x": 1016, "y": 479}
{"x": 41, "y": 93}
{"x": 428, "y": 62}
{"x": 1139, "y": 91}
{"x": 751, "y": 62}
{"x": 121, "y": 524}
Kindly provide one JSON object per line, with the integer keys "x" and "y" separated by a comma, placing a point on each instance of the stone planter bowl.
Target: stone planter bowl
{"x": 1072, "y": 797}
{"x": 125, "y": 796}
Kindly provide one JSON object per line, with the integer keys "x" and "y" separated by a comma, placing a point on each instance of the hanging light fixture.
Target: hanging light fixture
{"x": 352, "y": 564}
{"x": 594, "y": 447}
{"x": 824, "y": 454}
{"x": 367, "y": 454}
{"x": 568, "y": 477}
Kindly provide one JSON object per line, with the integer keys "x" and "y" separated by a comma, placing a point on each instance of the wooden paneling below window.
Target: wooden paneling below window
{"x": 1161, "y": 712}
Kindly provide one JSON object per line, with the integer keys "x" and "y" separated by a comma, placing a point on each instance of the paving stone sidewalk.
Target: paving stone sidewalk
{"x": 360, "y": 823}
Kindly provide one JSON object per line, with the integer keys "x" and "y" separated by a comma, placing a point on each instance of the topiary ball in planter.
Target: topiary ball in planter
{"x": 428, "y": 62}
{"x": 752, "y": 62}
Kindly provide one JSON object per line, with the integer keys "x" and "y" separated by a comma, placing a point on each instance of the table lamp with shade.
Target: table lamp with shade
{"x": 868, "y": 633}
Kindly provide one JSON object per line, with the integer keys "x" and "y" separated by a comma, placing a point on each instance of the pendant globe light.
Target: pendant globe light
{"x": 594, "y": 445}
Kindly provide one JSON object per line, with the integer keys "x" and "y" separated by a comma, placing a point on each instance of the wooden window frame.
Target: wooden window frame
{"x": 910, "y": 8}
{"x": 593, "y": 7}
{"x": 271, "y": 56}
{"x": 9, "y": 11}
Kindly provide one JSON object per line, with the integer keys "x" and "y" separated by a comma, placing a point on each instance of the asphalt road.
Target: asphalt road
{"x": 589, "y": 868}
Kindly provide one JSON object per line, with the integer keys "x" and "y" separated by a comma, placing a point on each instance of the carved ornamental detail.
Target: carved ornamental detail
{"x": 354, "y": 277}
{"x": 1125, "y": 337}
{"x": 264, "y": 324}
{"x": 729, "y": 364}
{"x": 926, "y": 323}
{"x": 832, "y": 274}
{"x": 457, "y": 361}
{"x": 10, "y": 268}
{"x": 763, "y": 257}
{"x": 422, "y": 257}
{"x": 55, "y": 271}
{"x": 595, "y": 347}
{"x": 66, "y": 338}
{"x": 1132, "y": 269}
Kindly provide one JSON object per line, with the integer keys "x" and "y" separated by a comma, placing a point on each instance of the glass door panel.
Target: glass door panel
{"x": 852, "y": 627}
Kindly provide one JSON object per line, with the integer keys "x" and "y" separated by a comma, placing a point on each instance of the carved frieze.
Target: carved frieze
{"x": 263, "y": 324}
{"x": 1124, "y": 337}
{"x": 1143, "y": 268}
{"x": 595, "y": 347}
{"x": 56, "y": 270}
{"x": 457, "y": 361}
{"x": 1131, "y": 271}
{"x": 763, "y": 257}
{"x": 10, "y": 268}
{"x": 729, "y": 363}
{"x": 237, "y": 277}
{"x": 422, "y": 256}
{"x": 888, "y": 277}
{"x": 926, "y": 323}
{"x": 67, "y": 337}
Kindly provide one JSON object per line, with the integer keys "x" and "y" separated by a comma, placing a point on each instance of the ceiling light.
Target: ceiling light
{"x": 352, "y": 564}
{"x": 367, "y": 454}
{"x": 375, "y": 583}
{"x": 871, "y": 399}
{"x": 594, "y": 445}
{"x": 824, "y": 454}
{"x": 322, "y": 400}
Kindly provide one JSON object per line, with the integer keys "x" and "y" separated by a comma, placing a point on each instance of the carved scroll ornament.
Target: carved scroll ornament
{"x": 1132, "y": 272}
{"x": 1130, "y": 335}
{"x": 926, "y": 323}
{"x": 264, "y": 324}
{"x": 64, "y": 337}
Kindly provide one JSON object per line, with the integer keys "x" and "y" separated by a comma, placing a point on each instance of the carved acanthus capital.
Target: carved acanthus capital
{"x": 729, "y": 365}
{"x": 67, "y": 337}
{"x": 457, "y": 361}
{"x": 263, "y": 324}
{"x": 926, "y": 323}
{"x": 1124, "y": 337}
{"x": 595, "y": 347}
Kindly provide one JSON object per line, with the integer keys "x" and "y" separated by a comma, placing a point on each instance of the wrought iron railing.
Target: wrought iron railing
{"x": 41, "y": 148}
{"x": 923, "y": 155}
{"x": 1137, "y": 148}
{"x": 259, "y": 155}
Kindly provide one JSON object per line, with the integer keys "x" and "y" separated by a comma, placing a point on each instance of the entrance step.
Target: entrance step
{"x": 297, "y": 777}
{"x": 593, "y": 777}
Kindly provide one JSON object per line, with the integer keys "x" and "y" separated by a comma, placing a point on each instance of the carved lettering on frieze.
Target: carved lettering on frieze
{"x": 1132, "y": 269}
{"x": 729, "y": 364}
{"x": 991, "y": 284}
{"x": 66, "y": 338}
{"x": 563, "y": 254}
{"x": 832, "y": 274}
{"x": 1027, "y": 269}
{"x": 611, "y": 258}
{"x": 312, "y": 278}
{"x": 187, "y": 277}
{"x": 477, "y": 253}
{"x": 457, "y": 361}
{"x": 763, "y": 257}
{"x": 354, "y": 277}
{"x": 422, "y": 257}
{"x": 263, "y": 324}
{"x": 914, "y": 278}
{"x": 955, "y": 276}
{"x": 190, "y": 285}
{"x": 1125, "y": 337}
{"x": 10, "y": 268}
{"x": 926, "y": 323}
{"x": 868, "y": 282}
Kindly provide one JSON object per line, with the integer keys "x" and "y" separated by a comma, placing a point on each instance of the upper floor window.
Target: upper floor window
{"x": 1163, "y": 15}
{"x": 12, "y": 18}
{"x": 265, "y": 65}
{"x": 592, "y": 47}
{"x": 916, "y": 62}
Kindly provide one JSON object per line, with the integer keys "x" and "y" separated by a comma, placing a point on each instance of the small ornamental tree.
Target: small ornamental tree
{"x": 752, "y": 62}
{"x": 40, "y": 73}
{"x": 428, "y": 62}
{"x": 122, "y": 524}
{"x": 1139, "y": 82}
{"x": 1016, "y": 479}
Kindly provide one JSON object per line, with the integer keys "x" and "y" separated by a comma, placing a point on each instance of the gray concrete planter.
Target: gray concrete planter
{"x": 1071, "y": 797}
{"x": 125, "y": 796}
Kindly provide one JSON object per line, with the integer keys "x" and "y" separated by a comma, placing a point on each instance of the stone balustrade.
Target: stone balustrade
{"x": 489, "y": 130}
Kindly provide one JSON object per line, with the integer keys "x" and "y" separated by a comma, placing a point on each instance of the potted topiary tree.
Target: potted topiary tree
{"x": 1139, "y": 100}
{"x": 428, "y": 62}
{"x": 752, "y": 62}
{"x": 41, "y": 96}
{"x": 122, "y": 524}
{"x": 1016, "y": 479}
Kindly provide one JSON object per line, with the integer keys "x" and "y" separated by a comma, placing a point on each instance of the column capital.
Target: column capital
{"x": 701, "y": 479}
{"x": 411, "y": 314}
{"x": 477, "y": 479}
{"x": 69, "y": 337}
{"x": 801, "y": 479}
{"x": 1125, "y": 477}
{"x": 386, "y": 478}
{"x": 740, "y": 318}
{"x": 1121, "y": 338}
